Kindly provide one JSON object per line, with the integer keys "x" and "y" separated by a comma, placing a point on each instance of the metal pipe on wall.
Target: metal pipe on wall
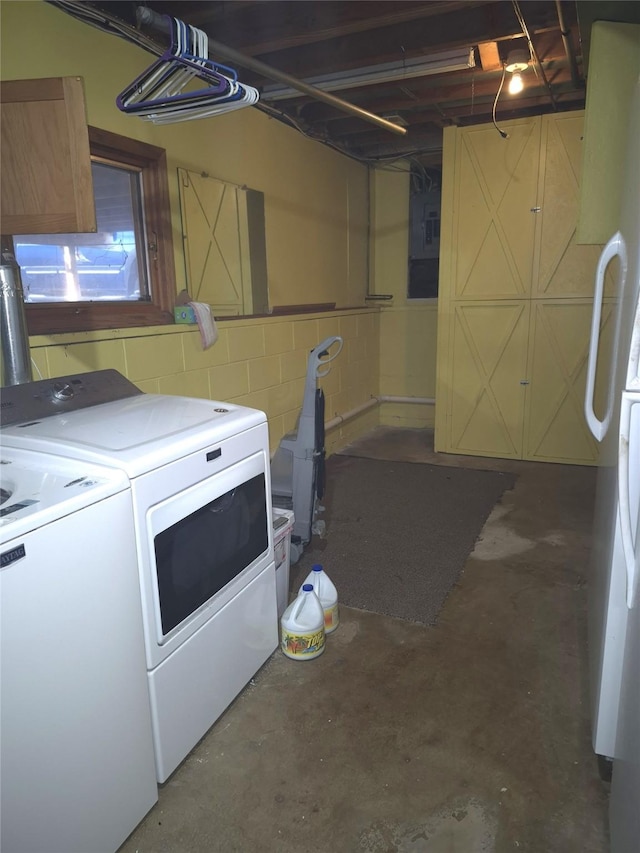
{"x": 148, "y": 17}
{"x": 568, "y": 46}
{"x": 375, "y": 401}
{"x": 16, "y": 356}
{"x": 534, "y": 54}
{"x": 424, "y": 401}
{"x": 358, "y": 410}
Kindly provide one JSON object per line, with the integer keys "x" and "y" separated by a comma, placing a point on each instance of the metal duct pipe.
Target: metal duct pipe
{"x": 568, "y": 46}
{"x": 16, "y": 356}
{"x": 150, "y": 18}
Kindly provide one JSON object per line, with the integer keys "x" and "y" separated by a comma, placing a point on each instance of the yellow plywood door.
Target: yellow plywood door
{"x": 215, "y": 251}
{"x": 511, "y": 371}
{"x": 562, "y": 268}
{"x": 495, "y": 193}
{"x": 555, "y": 426}
{"x": 488, "y": 352}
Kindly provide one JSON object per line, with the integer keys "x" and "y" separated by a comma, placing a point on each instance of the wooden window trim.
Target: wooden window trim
{"x": 58, "y": 317}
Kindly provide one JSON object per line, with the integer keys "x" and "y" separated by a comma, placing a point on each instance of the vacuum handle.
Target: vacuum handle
{"x": 320, "y": 355}
{"x": 318, "y": 358}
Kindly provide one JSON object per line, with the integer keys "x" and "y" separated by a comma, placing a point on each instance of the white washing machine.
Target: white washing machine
{"x": 200, "y": 484}
{"x": 77, "y": 770}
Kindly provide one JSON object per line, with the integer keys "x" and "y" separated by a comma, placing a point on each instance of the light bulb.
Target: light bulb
{"x": 515, "y": 84}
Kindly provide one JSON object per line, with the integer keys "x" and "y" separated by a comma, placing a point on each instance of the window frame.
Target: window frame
{"x": 60, "y": 317}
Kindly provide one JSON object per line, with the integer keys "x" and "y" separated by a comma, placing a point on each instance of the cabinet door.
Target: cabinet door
{"x": 44, "y": 158}
{"x": 562, "y": 268}
{"x": 488, "y": 353}
{"x": 494, "y": 226}
{"x": 555, "y": 426}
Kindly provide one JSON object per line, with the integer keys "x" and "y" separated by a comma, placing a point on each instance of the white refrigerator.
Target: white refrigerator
{"x": 614, "y": 612}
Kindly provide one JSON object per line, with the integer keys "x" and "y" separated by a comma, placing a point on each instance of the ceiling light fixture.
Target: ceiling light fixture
{"x": 517, "y": 62}
{"x": 388, "y": 72}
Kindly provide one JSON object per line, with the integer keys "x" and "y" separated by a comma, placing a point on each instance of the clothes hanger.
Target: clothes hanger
{"x": 197, "y": 105}
{"x": 157, "y": 94}
{"x": 167, "y": 76}
{"x": 201, "y": 107}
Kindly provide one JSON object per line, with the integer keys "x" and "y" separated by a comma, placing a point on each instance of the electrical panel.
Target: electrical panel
{"x": 425, "y": 225}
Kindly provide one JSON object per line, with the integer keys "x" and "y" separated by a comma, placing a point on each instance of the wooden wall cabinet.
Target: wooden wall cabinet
{"x": 45, "y": 162}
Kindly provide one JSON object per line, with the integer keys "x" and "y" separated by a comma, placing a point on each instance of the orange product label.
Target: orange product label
{"x": 331, "y": 617}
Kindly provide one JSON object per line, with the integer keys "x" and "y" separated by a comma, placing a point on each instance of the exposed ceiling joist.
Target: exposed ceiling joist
{"x": 307, "y": 41}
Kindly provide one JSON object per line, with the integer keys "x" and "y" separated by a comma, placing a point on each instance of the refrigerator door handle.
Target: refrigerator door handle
{"x": 624, "y": 501}
{"x": 614, "y": 248}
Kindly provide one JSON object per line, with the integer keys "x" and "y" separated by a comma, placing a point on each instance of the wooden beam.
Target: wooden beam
{"x": 282, "y": 26}
{"x": 395, "y": 42}
{"x": 489, "y": 56}
{"x": 440, "y": 100}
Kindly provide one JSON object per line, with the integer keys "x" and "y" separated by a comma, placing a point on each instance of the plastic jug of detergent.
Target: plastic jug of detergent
{"x": 302, "y": 624}
{"x": 328, "y": 595}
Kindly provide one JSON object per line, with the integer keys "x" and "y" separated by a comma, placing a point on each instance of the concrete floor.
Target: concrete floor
{"x": 465, "y": 737}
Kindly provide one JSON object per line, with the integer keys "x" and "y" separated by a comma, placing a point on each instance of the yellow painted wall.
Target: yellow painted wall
{"x": 408, "y": 338}
{"x": 408, "y": 328}
{"x": 316, "y": 210}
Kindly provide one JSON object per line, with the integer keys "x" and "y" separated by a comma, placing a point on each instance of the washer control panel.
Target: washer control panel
{"x": 34, "y": 401}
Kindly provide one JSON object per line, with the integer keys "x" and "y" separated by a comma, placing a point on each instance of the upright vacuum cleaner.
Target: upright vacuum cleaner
{"x": 297, "y": 467}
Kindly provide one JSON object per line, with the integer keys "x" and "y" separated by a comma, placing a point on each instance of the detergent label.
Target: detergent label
{"x": 331, "y": 618}
{"x": 302, "y": 645}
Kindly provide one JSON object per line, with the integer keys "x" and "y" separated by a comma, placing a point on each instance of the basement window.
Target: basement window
{"x": 120, "y": 276}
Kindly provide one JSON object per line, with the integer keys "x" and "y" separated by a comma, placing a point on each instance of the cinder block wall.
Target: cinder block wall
{"x": 259, "y": 362}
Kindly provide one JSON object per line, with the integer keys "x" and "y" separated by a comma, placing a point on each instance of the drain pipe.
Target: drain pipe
{"x": 16, "y": 356}
{"x": 375, "y": 401}
{"x": 340, "y": 419}
{"x": 565, "y": 32}
{"x": 428, "y": 401}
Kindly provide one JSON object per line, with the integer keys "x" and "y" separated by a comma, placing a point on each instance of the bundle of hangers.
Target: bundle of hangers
{"x": 158, "y": 94}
